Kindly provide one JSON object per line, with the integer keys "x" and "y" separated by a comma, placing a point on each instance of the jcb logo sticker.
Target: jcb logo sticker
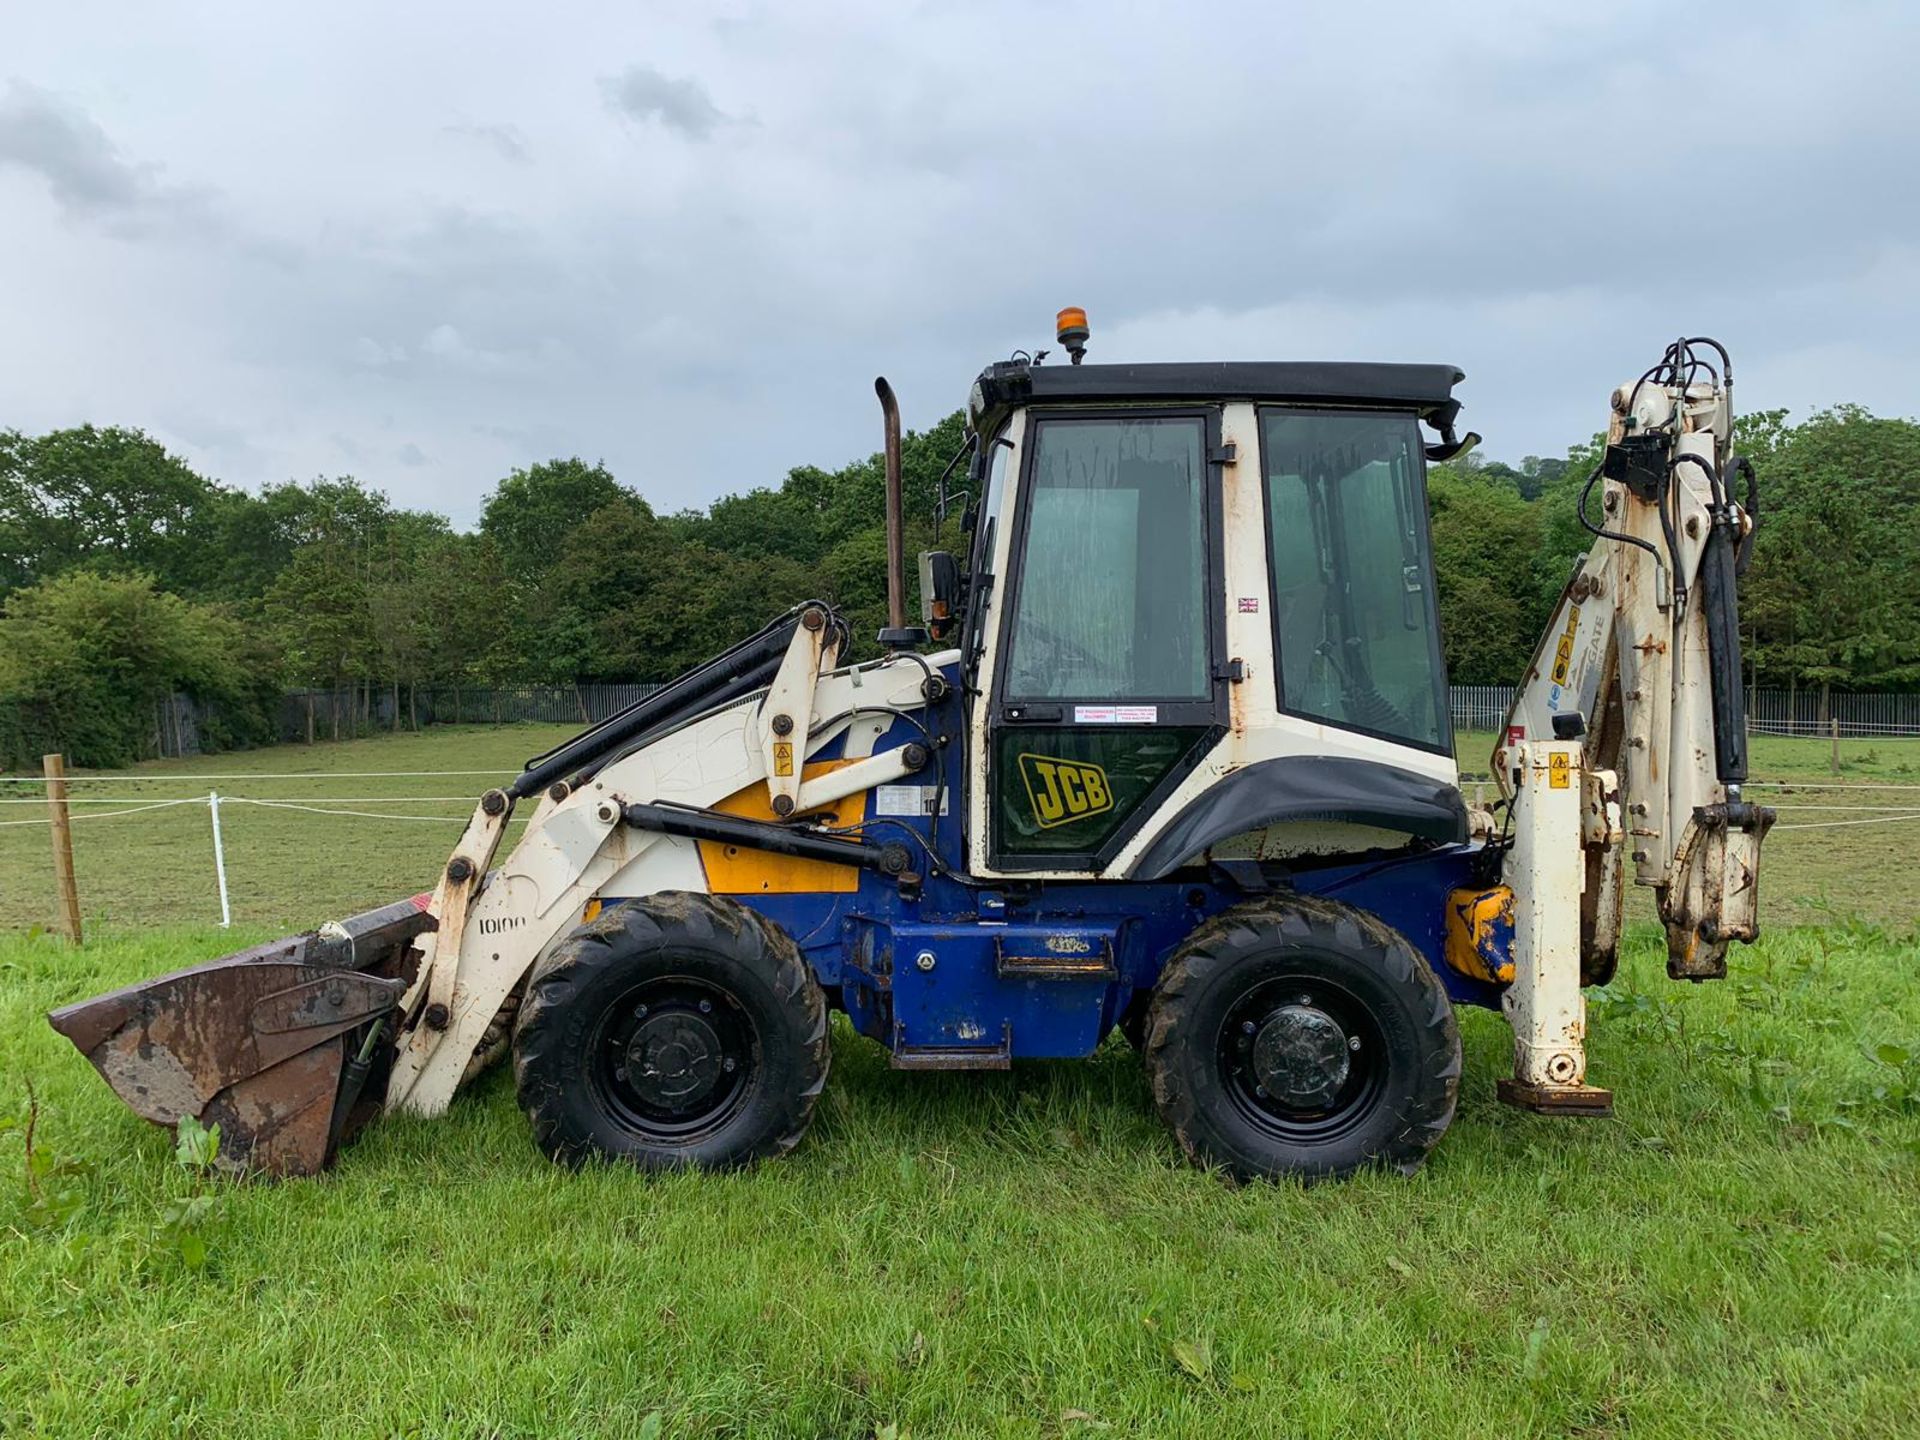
{"x": 1063, "y": 791}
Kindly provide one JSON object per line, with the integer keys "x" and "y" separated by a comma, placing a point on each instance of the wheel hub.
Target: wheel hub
{"x": 1301, "y": 1057}
{"x": 675, "y": 1060}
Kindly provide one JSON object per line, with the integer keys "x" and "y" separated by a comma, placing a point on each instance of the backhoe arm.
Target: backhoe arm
{"x": 1634, "y": 706}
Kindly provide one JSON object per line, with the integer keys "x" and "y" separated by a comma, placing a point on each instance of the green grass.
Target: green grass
{"x": 1736, "y": 1253}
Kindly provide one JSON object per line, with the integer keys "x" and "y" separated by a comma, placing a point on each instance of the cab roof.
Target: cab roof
{"x": 1426, "y": 390}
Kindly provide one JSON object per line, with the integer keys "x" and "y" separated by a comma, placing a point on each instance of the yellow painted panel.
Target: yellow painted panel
{"x": 737, "y": 870}
{"x": 1480, "y": 933}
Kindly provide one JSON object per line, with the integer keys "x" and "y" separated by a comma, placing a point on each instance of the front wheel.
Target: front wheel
{"x": 1299, "y": 1036}
{"x": 681, "y": 1030}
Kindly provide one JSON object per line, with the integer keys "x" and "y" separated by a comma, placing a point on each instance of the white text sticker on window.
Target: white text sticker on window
{"x": 1116, "y": 714}
{"x": 908, "y": 799}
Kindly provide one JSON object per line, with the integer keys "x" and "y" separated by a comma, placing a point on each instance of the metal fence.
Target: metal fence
{"x": 1769, "y": 712}
{"x": 357, "y": 710}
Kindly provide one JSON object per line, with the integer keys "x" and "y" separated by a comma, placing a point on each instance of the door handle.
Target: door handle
{"x": 1032, "y": 714}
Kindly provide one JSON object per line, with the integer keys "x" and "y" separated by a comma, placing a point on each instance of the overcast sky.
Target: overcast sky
{"x": 424, "y": 244}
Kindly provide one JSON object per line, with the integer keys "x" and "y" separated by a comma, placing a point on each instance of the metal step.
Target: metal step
{"x": 952, "y": 1057}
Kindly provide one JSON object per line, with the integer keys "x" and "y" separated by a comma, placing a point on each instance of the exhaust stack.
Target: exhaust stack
{"x": 898, "y": 635}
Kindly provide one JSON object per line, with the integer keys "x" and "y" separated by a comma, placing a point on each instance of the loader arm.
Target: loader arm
{"x": 293, "y": 1045}
{"x": 1624, "y": 752}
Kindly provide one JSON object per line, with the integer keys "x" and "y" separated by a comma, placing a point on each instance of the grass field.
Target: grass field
{"x": 1736, "y": 1253}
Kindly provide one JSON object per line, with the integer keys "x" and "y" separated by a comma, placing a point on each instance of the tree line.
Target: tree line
{"x": 127, "y": 577}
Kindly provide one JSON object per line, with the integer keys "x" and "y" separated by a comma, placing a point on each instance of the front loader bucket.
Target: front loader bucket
{"x": 274, "y": 1044}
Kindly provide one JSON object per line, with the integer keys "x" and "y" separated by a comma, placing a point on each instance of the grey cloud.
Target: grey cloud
{"x": 505, "y": 141}
{"x": 917, "y": 200}
{"x": 88, "y": 177}
{"x": 411, "y": 455}
{"x": 642, "y": 93}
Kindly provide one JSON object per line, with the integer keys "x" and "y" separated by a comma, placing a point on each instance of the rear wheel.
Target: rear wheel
{"x": 1299, "y": 1036}
{"x": 679, "y": 1030}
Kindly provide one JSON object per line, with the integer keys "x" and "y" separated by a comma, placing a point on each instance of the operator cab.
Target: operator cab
{"x": 1199, "y": 616}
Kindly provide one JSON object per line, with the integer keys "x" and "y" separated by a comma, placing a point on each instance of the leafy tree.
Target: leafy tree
{"x": 111, "y": 500}
{"x": 531, "y": 514}
{"x": 1833, "y": 597}
{"x": 400, "y": 604}
{"x": 86, "y": 659}
{"x": 322, "y": 612}
{"x": 1488, "y": 623}
{"x": 465, "y": 595}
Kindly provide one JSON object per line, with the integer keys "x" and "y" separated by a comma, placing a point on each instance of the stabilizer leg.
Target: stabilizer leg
{"x": 1547, "y": 870}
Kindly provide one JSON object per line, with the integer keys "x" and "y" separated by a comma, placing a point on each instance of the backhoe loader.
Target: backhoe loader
{"x": 1169, "y": 753}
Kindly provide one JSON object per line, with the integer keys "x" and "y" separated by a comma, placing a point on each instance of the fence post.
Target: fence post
{"x": 1833, "y": 723}
{"x": 219, "y": 859}
{"x": 55, "y": 767}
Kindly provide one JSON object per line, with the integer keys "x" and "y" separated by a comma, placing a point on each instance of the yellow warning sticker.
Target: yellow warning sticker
{"x": 783, "y": 757}
{"x": 1563, "y": 652}
{"x": 1559, "y": 772}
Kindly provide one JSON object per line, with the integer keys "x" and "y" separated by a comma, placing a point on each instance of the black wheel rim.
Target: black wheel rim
{"x": 674, "y": 1059}
{"x": 1302, "y": 1059}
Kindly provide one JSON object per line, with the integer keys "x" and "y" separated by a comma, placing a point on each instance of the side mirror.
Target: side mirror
{"x": 939, "y": 592}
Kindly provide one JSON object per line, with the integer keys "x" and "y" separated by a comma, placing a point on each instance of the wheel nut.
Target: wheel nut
{"x": 1353, "y": 1042}
{"x": 729, "y": 1065}
{"x": 1304, "y": 1000}
{"x": 1246, "y": 1027}
{"x": 706, "y": 1007}
{"x": 639, "y": 1012}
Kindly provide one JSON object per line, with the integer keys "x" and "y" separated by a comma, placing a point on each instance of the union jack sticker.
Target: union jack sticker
{"x": 1249, "y": 604}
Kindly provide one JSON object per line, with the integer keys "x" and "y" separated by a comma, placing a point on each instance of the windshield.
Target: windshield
{"x": 1352, "y": 577}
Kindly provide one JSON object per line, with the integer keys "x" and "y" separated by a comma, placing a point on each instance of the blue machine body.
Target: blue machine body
{"x": 960, "y": 972}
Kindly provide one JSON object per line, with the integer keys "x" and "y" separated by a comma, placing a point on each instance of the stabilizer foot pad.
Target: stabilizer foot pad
{"x": 1556, "y": 1099}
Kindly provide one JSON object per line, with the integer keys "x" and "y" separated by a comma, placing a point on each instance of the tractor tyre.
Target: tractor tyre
{"x": 1298, "y": 1036}
{"x": 678, "y": 1031}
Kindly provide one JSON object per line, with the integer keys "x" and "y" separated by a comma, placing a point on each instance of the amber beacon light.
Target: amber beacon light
{"x": 1070, "y": 328}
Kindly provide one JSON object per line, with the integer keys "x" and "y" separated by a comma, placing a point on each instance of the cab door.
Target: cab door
{"x": 1105, "y": 684}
